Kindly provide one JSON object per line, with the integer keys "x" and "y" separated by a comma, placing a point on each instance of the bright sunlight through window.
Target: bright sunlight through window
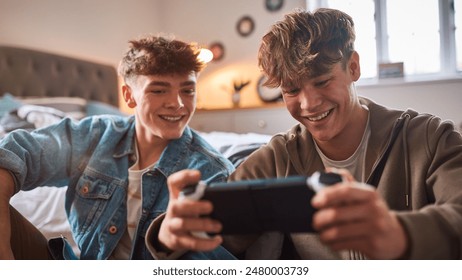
{"x": 426, "y": 35}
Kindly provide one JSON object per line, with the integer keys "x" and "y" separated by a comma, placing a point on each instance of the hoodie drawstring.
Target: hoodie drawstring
{"x": 407, "y": 176}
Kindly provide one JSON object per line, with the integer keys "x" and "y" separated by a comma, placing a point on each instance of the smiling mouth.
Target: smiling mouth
{"x": 320, "y": 117}
{"x": 171, "y": 118}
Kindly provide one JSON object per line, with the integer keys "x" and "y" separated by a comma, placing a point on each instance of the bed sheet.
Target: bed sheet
{"x": 44, "y": 208}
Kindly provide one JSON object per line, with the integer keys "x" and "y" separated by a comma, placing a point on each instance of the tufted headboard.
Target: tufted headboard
{"x": 31, "y": 73}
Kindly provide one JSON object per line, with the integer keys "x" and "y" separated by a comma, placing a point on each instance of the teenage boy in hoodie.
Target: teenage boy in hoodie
{"x": 401, "y": 197}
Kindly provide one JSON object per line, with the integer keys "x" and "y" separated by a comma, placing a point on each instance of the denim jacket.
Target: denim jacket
{"x": 92, "y": 158}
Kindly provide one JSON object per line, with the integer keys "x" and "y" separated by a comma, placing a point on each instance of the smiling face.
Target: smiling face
{"x": 311, "y": 56}
{"x": 328, "y": 106}
{"x": 164, "y": 105}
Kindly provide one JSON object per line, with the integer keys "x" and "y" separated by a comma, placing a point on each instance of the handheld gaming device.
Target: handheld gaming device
{"x": 259, "y": 205}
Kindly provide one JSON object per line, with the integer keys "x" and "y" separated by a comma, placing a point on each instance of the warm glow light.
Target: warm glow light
{"x": 205, "y": 55}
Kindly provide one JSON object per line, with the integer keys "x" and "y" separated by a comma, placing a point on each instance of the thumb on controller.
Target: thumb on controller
{"x": 178, "y": 180}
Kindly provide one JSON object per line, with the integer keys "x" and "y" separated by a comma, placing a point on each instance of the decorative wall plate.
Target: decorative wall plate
{"x": 245, "y": 26}
{"x": 218, "y": 50}
{"x": 274, "y": 5}
{"x": 267, "y": 94}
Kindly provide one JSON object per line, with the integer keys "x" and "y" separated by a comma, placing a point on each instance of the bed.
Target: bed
{"x": 39, "y": 88}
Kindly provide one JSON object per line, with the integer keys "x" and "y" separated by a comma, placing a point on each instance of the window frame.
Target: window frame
{"x": 448, "y": 57}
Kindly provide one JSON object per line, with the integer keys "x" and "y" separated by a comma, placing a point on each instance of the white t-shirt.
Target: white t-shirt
{"x": 356, "y": 162}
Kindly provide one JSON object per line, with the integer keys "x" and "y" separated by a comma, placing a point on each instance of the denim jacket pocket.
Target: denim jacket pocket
{"x": 93, "y": 194}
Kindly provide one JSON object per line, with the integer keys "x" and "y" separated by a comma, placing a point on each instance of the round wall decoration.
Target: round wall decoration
{"x": 267, "y": 94}
{"x": 245, "y": 26}
{"x": 274, "y": 5}
{"x": 218, "y": 50}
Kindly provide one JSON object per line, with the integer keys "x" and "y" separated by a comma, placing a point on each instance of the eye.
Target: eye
{"x": 189, "y": 91}
{"x": 156, "y": 90}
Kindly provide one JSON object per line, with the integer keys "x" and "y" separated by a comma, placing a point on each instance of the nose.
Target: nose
{"x": 174, "y": 101}
{"x": 309, "y": 99}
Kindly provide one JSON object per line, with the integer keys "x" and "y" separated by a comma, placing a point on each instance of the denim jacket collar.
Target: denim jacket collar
{"x": 127, "y": 147}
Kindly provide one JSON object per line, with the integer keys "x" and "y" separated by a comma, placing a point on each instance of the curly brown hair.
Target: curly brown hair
{"x": 306, "y": 45}
{"x": 159, "y": 55}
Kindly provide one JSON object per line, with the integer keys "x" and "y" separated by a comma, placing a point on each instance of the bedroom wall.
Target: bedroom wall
{"x": 440, "y": 97}
{"x": 96, "y": 30}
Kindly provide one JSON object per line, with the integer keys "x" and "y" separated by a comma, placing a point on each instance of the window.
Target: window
{"x": 414, "y": 42}
{"x": 426, "y": 35}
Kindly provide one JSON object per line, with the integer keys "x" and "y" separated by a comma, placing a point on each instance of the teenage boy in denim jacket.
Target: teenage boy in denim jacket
{"x": 116, "y": 168}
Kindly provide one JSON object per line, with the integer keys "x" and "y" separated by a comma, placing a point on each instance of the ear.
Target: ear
{"x": 128, "y": 96}
{"x": 353, "y": 66}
